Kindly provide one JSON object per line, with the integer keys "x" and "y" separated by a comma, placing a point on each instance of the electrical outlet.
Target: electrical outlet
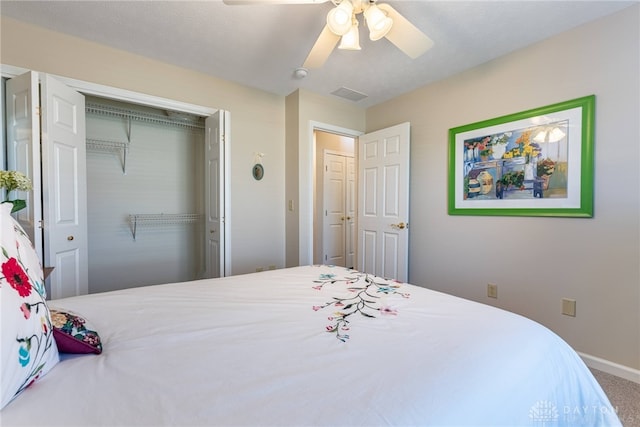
{"x": 569, "y": 307}
{"x": 492, "y": 290}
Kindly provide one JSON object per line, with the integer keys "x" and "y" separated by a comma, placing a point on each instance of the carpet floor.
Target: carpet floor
{"x": 624, "y": 396}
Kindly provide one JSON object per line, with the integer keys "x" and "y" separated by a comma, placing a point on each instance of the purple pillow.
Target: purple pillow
{"x": 73, "y": 334}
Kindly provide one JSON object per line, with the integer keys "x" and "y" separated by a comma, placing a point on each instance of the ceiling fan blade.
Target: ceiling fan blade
{"x": 406, "y": 36}
{"x": 321, "y": 50}
{"x": 239, "y": 2}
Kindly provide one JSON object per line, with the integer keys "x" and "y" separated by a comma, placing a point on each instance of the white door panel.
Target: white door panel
{"x": 65, "y": 166}
{"x": 369, "y": 193}
{"x": 23, "y": 150}
{"x": 64, "y": 185}
{"x": 390, "y": 255}
{"x": 367, "y": 251}
{"x": 68, "y": 271}
{"x": 384, "y": 202}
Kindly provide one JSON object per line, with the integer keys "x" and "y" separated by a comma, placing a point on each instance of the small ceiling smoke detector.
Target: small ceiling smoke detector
{"x": 300, "y": 73}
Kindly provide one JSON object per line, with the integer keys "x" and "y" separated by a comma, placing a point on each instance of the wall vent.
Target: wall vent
{"x": 350, "y": 94}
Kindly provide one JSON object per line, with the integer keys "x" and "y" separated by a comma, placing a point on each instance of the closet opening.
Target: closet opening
{"x": 155, "y": 171}
{"x": 145, "y": 181}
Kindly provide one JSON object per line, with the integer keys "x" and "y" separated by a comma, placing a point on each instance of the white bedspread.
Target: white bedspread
{"x": 263, "y": 349}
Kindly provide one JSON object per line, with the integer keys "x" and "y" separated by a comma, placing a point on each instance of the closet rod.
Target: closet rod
{"x": 179, "y": 120}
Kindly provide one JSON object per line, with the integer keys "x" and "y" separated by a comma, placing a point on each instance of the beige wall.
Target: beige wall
{"x": 537, "y": 261}
{"x": 257, "y": 124}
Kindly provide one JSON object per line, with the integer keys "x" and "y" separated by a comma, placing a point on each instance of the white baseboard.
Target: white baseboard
{"x": 611, "y": 368}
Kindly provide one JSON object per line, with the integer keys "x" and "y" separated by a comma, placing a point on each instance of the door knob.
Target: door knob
{"x": 212, "y": 231}
{"x": 400, "y": 225}
{"x": 69, "y": 238}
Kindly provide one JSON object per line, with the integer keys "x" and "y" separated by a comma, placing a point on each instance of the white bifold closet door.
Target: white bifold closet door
{"x": 46, "y": 141}
{"x": 216, "y": 128}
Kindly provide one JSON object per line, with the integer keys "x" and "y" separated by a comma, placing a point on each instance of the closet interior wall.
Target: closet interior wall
{"x": 149, "y": 168}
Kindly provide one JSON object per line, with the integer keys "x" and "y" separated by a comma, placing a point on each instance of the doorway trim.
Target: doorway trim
{"x": 306, "y": 195}
{"x": 104, "y": 91}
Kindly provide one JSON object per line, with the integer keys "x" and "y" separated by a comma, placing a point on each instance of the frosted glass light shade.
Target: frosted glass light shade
{"x": 339, "y": 18}
{"x": 378, "y": 22}
{"x": 351, "y": 39}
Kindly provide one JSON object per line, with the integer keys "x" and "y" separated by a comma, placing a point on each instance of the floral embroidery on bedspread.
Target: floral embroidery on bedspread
{"x": 367, "y": 299}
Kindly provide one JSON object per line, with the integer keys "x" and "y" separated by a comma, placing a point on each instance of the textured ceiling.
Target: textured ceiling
{"x": 261, "y": 45}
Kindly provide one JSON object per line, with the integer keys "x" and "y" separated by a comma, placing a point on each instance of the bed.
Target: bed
{"x": 312, "y": 346}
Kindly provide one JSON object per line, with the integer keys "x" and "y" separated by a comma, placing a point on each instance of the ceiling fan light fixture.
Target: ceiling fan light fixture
{"x": 351, "y": 39}
{"x": 339, "y": 18}
{"x": 378, "y": 22}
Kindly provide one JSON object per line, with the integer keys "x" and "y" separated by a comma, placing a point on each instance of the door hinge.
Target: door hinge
{"x": 37, "y": 110}
{"x": 41, "y": 224}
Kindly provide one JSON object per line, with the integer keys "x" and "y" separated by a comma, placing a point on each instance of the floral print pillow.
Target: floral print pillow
{"x": 27, "y": 347}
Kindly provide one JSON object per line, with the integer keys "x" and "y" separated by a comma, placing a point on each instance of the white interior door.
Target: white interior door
{"x": 23, "y": 150}
{"x": 64, "y": 188}
{"x": 215, "y": 195}
{"x": 339, "y": 232}
{"x": 383, "y": 214}
{"x": 335, "y": 209}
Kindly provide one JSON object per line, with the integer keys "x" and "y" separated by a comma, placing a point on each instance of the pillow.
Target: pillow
{"x": 27, "y": 347}
{"x": 73, "y": 334}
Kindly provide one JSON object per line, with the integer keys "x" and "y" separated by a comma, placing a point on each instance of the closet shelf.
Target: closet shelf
{"x": 180, "y": 120}
{"x": 147, "y": 220}
{"x": 103, "y": 144}
{"x": 110, "y": 146}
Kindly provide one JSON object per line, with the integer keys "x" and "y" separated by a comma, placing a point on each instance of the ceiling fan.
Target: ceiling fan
{"x": 381, "y": 19}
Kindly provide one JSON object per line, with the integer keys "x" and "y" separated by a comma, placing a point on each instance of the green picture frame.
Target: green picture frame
{"x": 537, "y": 162}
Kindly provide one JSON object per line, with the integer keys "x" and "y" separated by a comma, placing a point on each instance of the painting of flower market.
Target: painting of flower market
{"x": 525, "y": 163}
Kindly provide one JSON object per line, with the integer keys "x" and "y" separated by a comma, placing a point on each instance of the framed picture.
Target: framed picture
{"x": 533, "y": 163}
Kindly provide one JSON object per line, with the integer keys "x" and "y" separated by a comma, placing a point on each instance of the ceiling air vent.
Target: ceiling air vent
{"x": 350, "y": 94}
